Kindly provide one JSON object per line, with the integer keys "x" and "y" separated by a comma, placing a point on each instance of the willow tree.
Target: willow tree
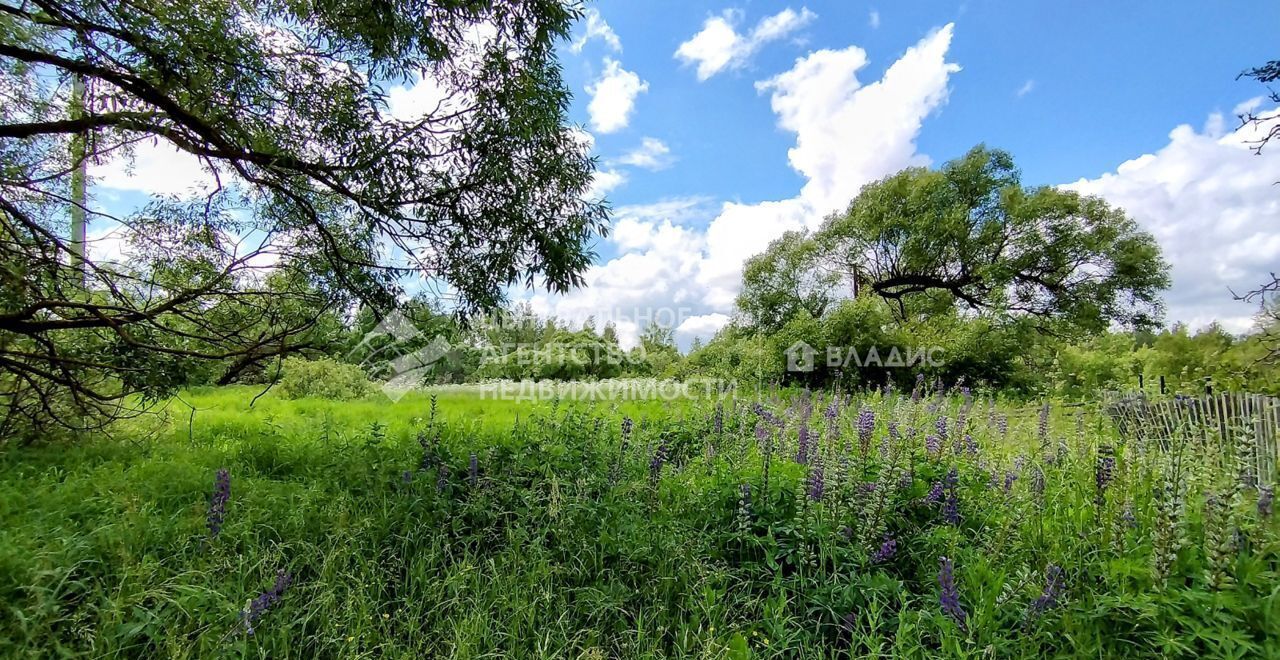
{"x": 318, "y": 196}
{"x": 968, "y": 238}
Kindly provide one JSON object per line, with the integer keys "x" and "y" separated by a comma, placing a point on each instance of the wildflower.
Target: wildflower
{"x": 1129, "y": 520}
{"x": 473, "y": 471}
{"x": 802, "y": 451}
{"x": 1042, "y": 427}
{"x": 1104, "y": 471}
{"x": 941, "y": 425}
{"x": 1002, "y": 425}
{"x": 916, "y": 392}
{"x": 866, "y": 426}
{"x": 951, "y": 507}
{"x": 886, "y": 443}
{"x": 1009, "y": 478}
{"x": 933, "y": 444}
{"x": 935, "y": 493}
{"x": 1037, "y": 484}
{"x": 407, "y": 477}
{"x": 218, "y": 501}
{"x": 1219, "y": 543}
{"x": 655, "y": 464}
{"x": 744, "y": 507}
{"x": 948, "y": 597}
{"x": 717, "y": 420}
{"x": 259, "y": 606}
{"x": 1048, "y": 598}
{"x": 817, "y": 482}
{"x": 1168, "y": 537}
{"x": 1265, "y": 498}
{"x": 1246, "y": 457}
{"x": 885, "y": 551}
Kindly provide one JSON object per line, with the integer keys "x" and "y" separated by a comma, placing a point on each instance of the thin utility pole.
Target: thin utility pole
{"x": 79, "y": 173}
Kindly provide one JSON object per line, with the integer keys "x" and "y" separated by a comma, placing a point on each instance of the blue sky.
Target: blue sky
{"x": 1108, "y": 82}
{"x": 1074, "y": 90}
{"x": 721, "y": 125}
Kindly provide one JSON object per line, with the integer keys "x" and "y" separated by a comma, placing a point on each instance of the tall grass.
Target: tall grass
{"x": 797, "y": 526}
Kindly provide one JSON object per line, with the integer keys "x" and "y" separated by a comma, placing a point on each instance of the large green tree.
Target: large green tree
{"x": 788, "y": 278}
{"x": 285, "y": 104}
{"x": 970, "y": 235}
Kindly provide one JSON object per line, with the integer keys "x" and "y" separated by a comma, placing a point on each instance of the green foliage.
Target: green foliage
{"x": 318, "y": 182}
{"x": 784, "y": 281}
{"x": 567, "y": 542}
{"x": 324, "y": 378}
{"x": 973, "y": 234}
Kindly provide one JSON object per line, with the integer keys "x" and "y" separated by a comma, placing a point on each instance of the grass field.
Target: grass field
{"x": 797, "y": 526}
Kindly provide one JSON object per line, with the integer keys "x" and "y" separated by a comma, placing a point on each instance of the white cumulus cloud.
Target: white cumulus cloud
{"x": 847, "y": 135}
{"x": 613, "y": 97}
{"x": 596, "y": 28}
{"x": 1213, "y": 205}
{"x": 719, "y": 46}
{"x": 651, "y": 154}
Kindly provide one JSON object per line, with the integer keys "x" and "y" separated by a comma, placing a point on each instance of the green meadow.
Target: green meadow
{"x": 793, "y": 525}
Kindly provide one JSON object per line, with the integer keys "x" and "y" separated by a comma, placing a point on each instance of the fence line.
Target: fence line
{"x": 1224, "y": 416}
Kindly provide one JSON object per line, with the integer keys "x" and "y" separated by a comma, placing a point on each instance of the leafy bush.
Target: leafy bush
{"x": 325, "y": 378}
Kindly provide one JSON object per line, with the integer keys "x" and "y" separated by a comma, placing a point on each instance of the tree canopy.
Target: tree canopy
{"x": 969, "y": 236}
{"x": 316, "y": 182}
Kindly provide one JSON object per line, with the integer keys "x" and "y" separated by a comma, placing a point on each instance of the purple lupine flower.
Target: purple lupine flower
{"x": 933, "y": 444}
{"x": 869, "y": 487}
{"x": 951, "y": 507}
{"x": 1266, "y": 496}
{"x": 655, "y": 464}
{"x": 866, "y": 426}
{"x": 817, "y": 482}
{"x": 1009, "y": 478}
{"x": 935, "y": 493}
{"x": 259, "y": 606}
{"x": 627, "y": 425}
{"x": 886, "y": 441}
{"x": 948, "y": 596}
{"x": 218, "y": 501}
{"x": 802, "y": 451}
{"x": 941, "y": 425}
{"x": 970, "y": 445}
{"x": 1127, "y": 517}
{"x": 473, "y": 471}
{"x": 1104, "y": 471}
{"x": 762, "y": 434}
{"x": 885, "y": 551}
{"x": 1002, "y": 424}
{"x": 916, "y": 392}
{"x": 1037, "y": 482}
{"x": 1042, "y": 427}
{"x": 407, "y": 477}
{"x": 1052, "y": 590}
{"x": 717, "y": 420}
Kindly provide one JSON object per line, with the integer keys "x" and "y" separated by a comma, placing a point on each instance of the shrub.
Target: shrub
{"x": 325, "y": 378}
